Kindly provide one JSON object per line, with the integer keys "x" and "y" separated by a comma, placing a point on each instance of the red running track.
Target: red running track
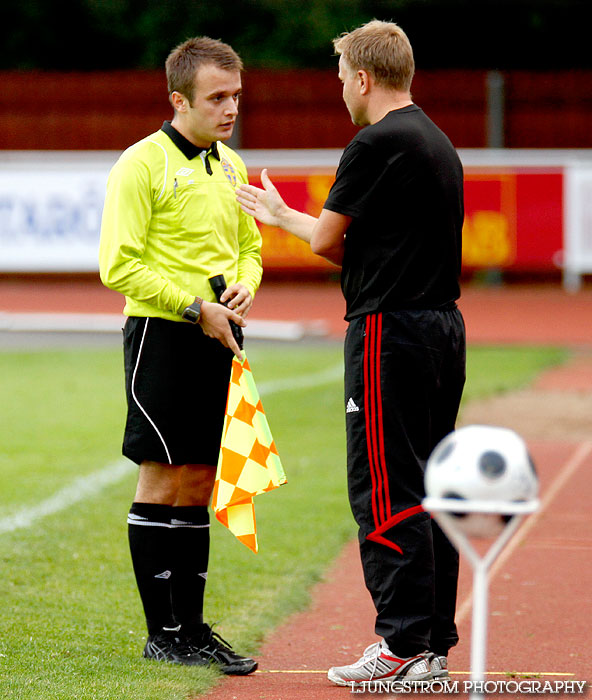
{"x": 532, "y": 314}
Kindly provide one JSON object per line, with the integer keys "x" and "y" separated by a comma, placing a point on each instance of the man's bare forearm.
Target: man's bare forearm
{"x": 297, "y": 223}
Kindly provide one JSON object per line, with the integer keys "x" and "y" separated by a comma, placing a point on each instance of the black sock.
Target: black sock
{"x": 149, "y": 532}
{"x": 190, "y": 545}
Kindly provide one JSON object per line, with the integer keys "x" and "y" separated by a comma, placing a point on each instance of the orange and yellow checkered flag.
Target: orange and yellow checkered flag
{"x": 248, "y": 463}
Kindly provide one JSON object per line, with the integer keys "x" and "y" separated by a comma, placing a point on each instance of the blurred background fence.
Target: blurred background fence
{"x": 295, "y": 108}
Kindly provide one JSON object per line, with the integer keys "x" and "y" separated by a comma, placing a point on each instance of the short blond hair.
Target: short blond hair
{"x": 383, "y": 50}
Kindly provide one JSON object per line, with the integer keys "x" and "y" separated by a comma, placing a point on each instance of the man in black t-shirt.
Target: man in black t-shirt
{"x": 393, "y": 221}
{"x": 401, "y": 182}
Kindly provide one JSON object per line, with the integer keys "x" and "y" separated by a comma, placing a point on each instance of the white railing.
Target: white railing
{"x": 577, "y": 226}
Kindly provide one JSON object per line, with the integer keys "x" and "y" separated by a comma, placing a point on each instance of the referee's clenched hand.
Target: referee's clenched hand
{"x": 238, "y": 298}
{"x": 215, "y": 322}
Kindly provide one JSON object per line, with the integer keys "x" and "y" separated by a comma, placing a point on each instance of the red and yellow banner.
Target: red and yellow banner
{"x": 513, "y": 219}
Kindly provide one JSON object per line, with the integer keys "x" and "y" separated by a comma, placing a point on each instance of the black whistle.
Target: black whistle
{"x": 218, "y": 285}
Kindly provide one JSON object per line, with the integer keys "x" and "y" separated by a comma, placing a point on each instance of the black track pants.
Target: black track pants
{"x": 404, "y": 376}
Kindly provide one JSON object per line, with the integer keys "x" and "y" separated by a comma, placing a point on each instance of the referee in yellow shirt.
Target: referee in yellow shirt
{"x": 170, "y": 221}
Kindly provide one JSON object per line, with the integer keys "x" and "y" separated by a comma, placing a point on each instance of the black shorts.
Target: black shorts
{"x": 176, "y": 382}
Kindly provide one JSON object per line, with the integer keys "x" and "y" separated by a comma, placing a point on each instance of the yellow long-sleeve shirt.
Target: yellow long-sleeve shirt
{"x": 168, "y": 225}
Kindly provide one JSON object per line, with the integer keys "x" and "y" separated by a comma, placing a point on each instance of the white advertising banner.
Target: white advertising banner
{"x": 50, "y": 210}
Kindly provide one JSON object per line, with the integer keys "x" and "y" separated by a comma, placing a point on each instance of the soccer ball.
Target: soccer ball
{"x": 482, "y": 463}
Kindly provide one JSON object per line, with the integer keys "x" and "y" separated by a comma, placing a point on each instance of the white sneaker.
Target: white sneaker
{"x": 438, "y": 667}
{"x": 379, "y": 664}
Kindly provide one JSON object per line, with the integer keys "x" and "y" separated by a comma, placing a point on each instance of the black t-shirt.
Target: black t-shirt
{"x": 402, "y": 182}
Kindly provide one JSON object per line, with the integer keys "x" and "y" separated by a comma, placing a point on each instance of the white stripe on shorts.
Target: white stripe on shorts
{"x": 152, "y": 423}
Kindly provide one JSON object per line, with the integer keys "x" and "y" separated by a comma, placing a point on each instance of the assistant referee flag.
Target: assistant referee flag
{"x": 248, "y": 463}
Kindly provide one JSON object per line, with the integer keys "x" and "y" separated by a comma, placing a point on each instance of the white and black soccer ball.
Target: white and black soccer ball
{"x": 482, "y": 463}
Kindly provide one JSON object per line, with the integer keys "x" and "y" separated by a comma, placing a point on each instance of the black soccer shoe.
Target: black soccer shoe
{"x": 215, "y": 650}
{"x": 174, "y": 648}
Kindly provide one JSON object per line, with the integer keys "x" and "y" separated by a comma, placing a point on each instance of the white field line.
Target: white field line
{"x": 88, "y": 486}
{"x": 306, "y": 381}
{"x": 565, "y": 473}
{"x": 79, "y": 490}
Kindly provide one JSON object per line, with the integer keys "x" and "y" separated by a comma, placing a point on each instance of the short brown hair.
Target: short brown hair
{"x": 185, "y": 59}
{"x": 382, "y": 49}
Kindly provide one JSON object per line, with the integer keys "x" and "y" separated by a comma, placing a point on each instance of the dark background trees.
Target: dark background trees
{"x": 115, "y": 34}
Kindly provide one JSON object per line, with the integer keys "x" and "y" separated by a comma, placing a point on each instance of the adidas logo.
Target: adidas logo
{"x": 351, "y": 406}
{"x": 165, "y": 574}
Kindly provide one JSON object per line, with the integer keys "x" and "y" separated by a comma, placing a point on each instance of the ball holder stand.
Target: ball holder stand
{"x": 443, "y": 510}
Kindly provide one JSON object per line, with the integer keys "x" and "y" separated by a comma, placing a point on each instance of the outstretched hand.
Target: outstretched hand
{"x": 266, "y": 204}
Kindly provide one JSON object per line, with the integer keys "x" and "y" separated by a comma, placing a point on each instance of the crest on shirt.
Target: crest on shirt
{"x": 229, "y": 171}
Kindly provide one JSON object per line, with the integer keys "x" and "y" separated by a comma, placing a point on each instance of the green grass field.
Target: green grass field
{"x": 71, "y": 625}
